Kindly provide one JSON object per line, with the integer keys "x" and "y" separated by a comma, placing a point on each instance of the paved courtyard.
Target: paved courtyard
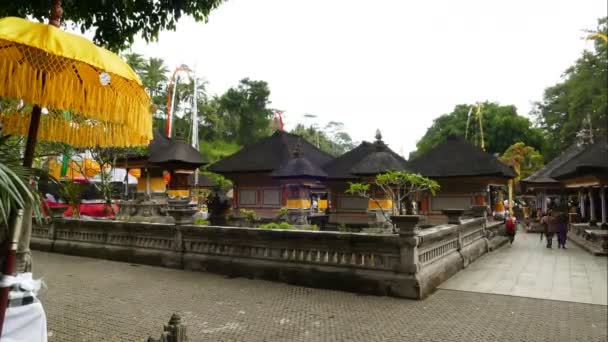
{"x": 529, "y": 269}
{"x": 99, "y": 300}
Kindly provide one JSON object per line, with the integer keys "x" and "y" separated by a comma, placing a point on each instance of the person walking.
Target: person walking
{"x": 551, "y": 228}
{"x": 510, "y": 228}
{"x": 561, "y": 223}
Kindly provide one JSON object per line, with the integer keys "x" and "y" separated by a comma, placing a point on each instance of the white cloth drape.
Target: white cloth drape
{"x": 25, "y": 323}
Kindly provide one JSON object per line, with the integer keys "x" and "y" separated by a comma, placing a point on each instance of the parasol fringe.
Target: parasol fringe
{"x": 122, "y": 102}
{"x": 58, "y": 128}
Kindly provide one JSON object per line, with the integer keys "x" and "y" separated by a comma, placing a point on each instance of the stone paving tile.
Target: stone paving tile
{"x": 528, "y": 269}
{"x": 99, "y": 300}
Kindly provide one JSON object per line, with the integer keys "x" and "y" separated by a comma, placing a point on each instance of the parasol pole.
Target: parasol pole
{"x": 195, "y": 126}
{"x": 17, "y": 240}
{"x": 9, "y": 264}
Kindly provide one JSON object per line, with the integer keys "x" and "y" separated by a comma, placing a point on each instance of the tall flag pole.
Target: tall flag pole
{"x": 279, "y": 115}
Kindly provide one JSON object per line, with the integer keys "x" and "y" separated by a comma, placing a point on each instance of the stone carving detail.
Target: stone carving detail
{"x": 433, "y": 253}
{"x": 314, "y": 256}
{"x": 175, "y": 331}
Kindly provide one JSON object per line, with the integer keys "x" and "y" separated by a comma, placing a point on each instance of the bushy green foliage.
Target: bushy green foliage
{"x": 309, "y": 227}
{"x": 582, "y": 94}
{"x": 524, "y": 159}
{"x": 502, "y": 127}
{"x": 274, "y": 225}
{"x": 282, "y": 215}
{"x": 331, "y": 139}
{"x": 72, "y": 194}
{"x": 249, "y": 215}
{"x": 116, "y": 23}
{"x": 199, "y": 221}
{"x": 218, "y": 149}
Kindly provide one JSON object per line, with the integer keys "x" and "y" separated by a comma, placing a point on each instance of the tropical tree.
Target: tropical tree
{"x": 245, "y": 111}
{"x": 136, "y": 61}
{"x": 525, "y": 160}
{"x": 154, "y": 75}
{"x": 331, "y": 139}
{"x": 116, "y": 22}
{"x": 15, "y": 189}
{"x": 581, "y": 96}
{"x": 502, "y": 127}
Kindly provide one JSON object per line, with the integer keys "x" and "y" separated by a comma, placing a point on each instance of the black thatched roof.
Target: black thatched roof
{"x": 270, "y": 154}
{"x": 457, "y": 157}
{"x": 593, "y": 159}
{"x": 543, "y": 176}
{"x": 299, "y": 166}
{"x": 165, "y": 151}
{"x": 366, "y": 159}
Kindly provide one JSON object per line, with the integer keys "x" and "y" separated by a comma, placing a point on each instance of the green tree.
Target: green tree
{"x": 136, "y": 61}
{"x": 581, "y": 95}
{"x": 525, "y": 160}
{"x": 154, "y": 76}
{"x": 502, "y": 127}
{"x": 244, "y": 110}
{"x": 116, "y": 22}
{"x": 332, "y": 140}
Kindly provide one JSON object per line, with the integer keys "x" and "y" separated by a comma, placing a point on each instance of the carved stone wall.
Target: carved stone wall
{"x": 409, "y": 266}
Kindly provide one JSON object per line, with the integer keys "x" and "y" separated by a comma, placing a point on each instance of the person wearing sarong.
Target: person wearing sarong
{"x": 562, "y": 230}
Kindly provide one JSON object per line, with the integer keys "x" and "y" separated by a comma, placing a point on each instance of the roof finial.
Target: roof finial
{"x": 378, "y": 135}
{"x": 297, "y": 150}
{"x": 585, "y": 135}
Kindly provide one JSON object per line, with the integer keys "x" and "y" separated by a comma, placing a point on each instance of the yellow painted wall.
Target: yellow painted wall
{"x": 298, "y": 204}
{"x": 178, "y": 193}
{"x": 380, "y": 204}
{"x": 322, "y": 204}
{"x": 157, "y": 184}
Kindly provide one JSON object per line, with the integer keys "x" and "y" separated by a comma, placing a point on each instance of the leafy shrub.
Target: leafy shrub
{"x": 274, "y": 225}
{"x": 285, "y": 225}
{"x": 282, "y": 215}
{"x": 250, "y": 216}
{"x": 199, "y": 221}
{"x": 271, "y": 225}
{"x": 309, "y": 227}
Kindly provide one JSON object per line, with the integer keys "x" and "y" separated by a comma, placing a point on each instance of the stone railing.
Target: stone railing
{"x": 592, "y": 239}
{"x": 410, "y": 264}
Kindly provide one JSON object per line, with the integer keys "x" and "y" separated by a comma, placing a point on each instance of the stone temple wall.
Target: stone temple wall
{"x": 410, "y": 264}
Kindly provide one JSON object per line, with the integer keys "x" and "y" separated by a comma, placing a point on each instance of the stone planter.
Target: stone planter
{"x": 478, "y": 210}
{"x": 406, "y": 224}
{"x": 454, "y": 215}
{"x": 57, "y": 212}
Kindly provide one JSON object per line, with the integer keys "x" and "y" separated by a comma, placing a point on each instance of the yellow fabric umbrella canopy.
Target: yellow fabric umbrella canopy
{"x": 93, "y": 97}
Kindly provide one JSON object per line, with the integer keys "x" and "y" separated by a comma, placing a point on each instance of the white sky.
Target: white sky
{"x": 388, "y": 64}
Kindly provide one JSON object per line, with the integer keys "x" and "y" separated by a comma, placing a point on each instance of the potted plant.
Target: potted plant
{"x": 400, "y": 187}
{"x": 72, "y": 193}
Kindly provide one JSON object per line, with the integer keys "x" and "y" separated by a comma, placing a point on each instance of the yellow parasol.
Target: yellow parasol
{"x": 92, "y": 97}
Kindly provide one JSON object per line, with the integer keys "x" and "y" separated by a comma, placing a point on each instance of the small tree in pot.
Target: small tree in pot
{"x": 399, "y": 187}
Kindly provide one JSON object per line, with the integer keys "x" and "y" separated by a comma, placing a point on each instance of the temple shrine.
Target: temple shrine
{"x": 361, "y": 164}
{"x": 280, "y": 171}
{"x": 466, "y": 174}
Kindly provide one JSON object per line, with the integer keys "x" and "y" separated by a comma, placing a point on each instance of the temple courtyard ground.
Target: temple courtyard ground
{"x": 524, "y": 293}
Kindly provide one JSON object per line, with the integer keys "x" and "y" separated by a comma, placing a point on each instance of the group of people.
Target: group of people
{"x": 555, "y": 223}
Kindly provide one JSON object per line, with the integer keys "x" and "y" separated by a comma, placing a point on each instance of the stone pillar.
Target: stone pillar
{"x": 583, "y": 198}
{"x": 603, "y": 204}
{"x": 544, "y": 201}
{"x": 408, "y": 242}
{"x": 591, "y": 205}
{"x": 175, "y": 331}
